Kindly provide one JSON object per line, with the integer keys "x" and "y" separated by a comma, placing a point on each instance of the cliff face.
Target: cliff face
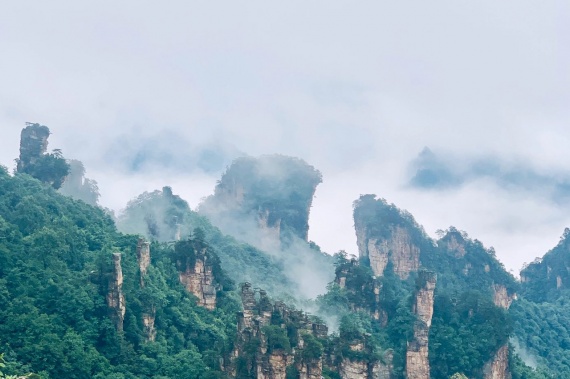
{"x": 498, "y": 367}
{"x": 33, "y": 144}
{"x": 274, "y": 192}
{"x": 149, "y": 315}
{"x": 398, "y": 249}
{"x": 198, "y": 278}
{"x": 543, "y": 279}
{"x": 115, "y": 295}
{"x": 384, "y": 235}
{"x": 264, "y": 334}
{"x": 417, "y": 362}
{"x": 365, "y": 369}
{"x": 143, "y": 258}
{"x": 364, "y": 291}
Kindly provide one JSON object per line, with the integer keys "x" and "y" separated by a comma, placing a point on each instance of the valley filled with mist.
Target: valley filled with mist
{"x": 234, "y": 288}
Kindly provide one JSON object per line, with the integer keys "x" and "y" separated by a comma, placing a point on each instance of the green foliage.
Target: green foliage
{"x": 378, "y": 219}
{"x": 542, "y": 329}
{"x": 281, "y": 186}
{"x": 313, "y": 349}
{"x": 79, "y": 187}
{"x": 466, "y": 331}
{"x": 160, "y": 214}
{"x": 521, "y": 371}
{"x": 55, "y": 266}
{"x": 276, "y": 338}
{"x": 545, "y": 279}
{"x": 49, "y": 168}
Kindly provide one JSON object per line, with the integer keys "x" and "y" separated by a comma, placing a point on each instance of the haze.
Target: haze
{"x": 148, "y": 95}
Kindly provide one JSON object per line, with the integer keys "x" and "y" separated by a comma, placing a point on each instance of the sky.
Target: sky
{"x": 147, "y": 95}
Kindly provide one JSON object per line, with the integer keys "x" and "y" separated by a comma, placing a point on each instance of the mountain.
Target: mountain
{"x": 168, "y": 292}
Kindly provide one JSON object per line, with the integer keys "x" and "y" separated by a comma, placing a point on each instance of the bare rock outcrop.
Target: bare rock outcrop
{"x": 115, "y": 295}
{"x": 351, "y": 368}
{"x": 143, "y": 258}
{"x": 347, "y": 277}
{"x": 417, "y": 361}
{"x": 149, "y": 314}
{"x": 261, "y": 324}
{"x": 33, "y": 144}
{"x": 398, "y": 249}
{"x": 197, "y": 277}
{"x": 498, "y": 367}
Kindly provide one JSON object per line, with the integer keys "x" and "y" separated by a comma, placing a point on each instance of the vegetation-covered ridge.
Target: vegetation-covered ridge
{"x": 274, "y": 191}
{"x": 80, "y": 299}
{"x": 56, "y": 275}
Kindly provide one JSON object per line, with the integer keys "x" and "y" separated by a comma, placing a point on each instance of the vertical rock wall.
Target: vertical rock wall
{"x": 417, "y": 361}
{"x": 143, "y": 258}
{"x": 33, "y": 144}
{"x": 266, "y": 364}
{"x": 115, "y": 295}
{"x": 397, "y": 249}
{"x": 149, "y": 315}
{"x": 198, "y": 279}
{"x": 498, "y": 367}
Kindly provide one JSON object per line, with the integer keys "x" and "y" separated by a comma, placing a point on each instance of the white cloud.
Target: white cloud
{"x": 356, "y": 89}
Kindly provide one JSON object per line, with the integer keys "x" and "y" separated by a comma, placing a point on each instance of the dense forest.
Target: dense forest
{"x": 164, "y": 291}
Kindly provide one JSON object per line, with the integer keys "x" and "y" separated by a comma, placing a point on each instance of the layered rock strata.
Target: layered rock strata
{"x": 498, "y": 367}
{"x": 33, "y": 144}
{"x": 267, "y": 362}
{"x": 143, "y": 258}
{"x": 149, "y": 314}
{"x": 417, "y": 361}
{"x": 397, "y": 249}
{"x": 197, "y": 277}
{"x": 115, "y": 295}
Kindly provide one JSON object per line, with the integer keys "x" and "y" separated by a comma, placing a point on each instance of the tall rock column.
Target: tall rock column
{"x": 196, "y": 274}
{"x": 498, "y": 367}
{"x": 115, "y": 295}
{"x": 149, "y": 314}
{"x": 417, "y": 361}
{"x": 33, "y": 144}
{"x": 143, "y": 258}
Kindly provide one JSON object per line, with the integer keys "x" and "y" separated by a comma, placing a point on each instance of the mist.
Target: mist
{"x": 147, "y": 95}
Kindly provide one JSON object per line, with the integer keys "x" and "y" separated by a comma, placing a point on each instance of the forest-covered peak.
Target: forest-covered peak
{"x": 273, "y": 191}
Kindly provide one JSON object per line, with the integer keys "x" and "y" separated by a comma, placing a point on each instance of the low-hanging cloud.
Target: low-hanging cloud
{"x": 355, "y": 89}
{"x": 431, "y": 171}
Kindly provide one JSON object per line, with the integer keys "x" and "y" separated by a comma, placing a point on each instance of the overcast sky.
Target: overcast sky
{"x": 148, "y": 94}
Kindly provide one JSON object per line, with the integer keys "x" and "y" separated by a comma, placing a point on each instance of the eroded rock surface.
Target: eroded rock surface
{"x": 417, "y": 361}
{"x": 498, "y": 367}
{"x": 397, "y": 249}
{"x": 269, "y": 361}
{"x": 198, "y": 278}
{"x": 115, "y": 295}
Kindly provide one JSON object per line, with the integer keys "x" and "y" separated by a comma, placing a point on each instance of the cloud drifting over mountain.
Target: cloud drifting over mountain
{"x": 147, "y": 95}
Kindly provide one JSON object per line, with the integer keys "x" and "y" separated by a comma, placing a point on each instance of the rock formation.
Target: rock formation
{"x": 33, "y": 144}
{"x": 417, "y": 362}
{"x": 261, "y": 323}
{"x": 272, "y": 193}
{"x": 364, "y": 368}
{"x": 398, "y": 249}
{"x": 364, "y": 290}
{"x": 196, "y": 274}
{"x": 149, "y": 314}
{"x": 143, "y": 258}
{"x": 498, "y": 367}
{"x": 384, "y": 235}
{"x": 115, "y": 295}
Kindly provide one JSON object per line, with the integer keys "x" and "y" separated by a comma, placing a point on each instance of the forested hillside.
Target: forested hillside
{"x": 166, "y": 294}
